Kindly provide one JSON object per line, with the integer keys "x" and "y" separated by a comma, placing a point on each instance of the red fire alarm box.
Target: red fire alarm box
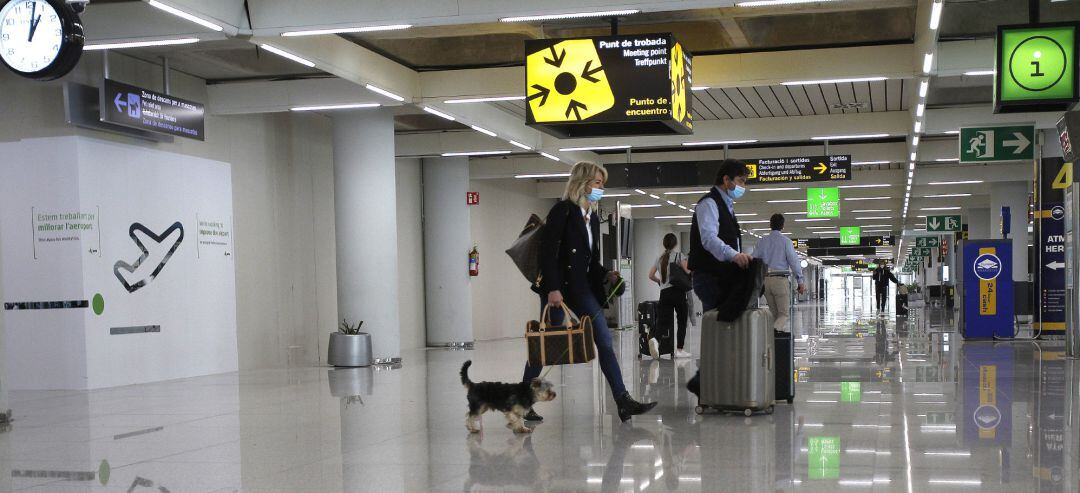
{"x": 472, "y": 198}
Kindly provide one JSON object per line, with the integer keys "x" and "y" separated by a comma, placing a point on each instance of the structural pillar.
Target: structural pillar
{"x": 978, "y": 221}
{"x": 447, "y": 243}
{"x": 365, "y": 215}
{"x": 1015, "y": 196}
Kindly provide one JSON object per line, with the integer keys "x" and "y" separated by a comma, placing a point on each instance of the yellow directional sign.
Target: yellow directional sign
{"x": 678, "y": 84}
{"x": 753, "y": 171}
{"x": 567, "y": 82}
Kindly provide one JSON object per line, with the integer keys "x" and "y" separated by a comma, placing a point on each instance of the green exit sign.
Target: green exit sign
{"x": 822, "y": 202}
{"x": 850, "y": 235}
{"x": 1036, "y": 67}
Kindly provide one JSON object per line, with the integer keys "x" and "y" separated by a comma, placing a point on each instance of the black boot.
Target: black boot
{"x": 629, "y": 407}
{"x": 694, "y": 385}
{"x": 532, "y": 416}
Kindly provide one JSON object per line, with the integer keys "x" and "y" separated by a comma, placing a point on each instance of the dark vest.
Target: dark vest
{"x": 728, "y": 232}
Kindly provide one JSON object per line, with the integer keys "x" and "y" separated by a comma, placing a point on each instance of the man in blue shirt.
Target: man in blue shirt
{"x": 778, "y": 253}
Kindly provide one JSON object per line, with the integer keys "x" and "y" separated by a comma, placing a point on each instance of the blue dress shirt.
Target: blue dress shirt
{"x": 709, "y": 225}
{"x": 778, "y": 253}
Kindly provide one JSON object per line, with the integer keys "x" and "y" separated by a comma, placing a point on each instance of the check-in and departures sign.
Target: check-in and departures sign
{"x": 822, "y": 202}
{"x": 1036, "y": 68}
{"x": 997, "y": 143}
{"x": 798, "y": 169}
{"x": 945, "y": 224}
{"x": 135, "y": 107}
{"x": 608, "y": 86}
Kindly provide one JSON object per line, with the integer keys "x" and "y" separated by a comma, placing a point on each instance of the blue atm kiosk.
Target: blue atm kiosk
{"x": 988, "y": 289}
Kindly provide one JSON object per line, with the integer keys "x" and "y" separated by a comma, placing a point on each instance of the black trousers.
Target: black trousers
{"x": 882, "y": 294}
{"x": 673, "y": 299}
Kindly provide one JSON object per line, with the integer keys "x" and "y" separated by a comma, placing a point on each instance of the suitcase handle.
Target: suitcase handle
{"x": 767, "y": 359}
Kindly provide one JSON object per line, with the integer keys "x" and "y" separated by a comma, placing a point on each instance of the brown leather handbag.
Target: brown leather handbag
{"x": 567, "y": 344}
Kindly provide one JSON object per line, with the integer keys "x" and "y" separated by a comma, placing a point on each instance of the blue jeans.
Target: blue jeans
{"x": 605, "y": 349}
{"x": 707, "y": 289}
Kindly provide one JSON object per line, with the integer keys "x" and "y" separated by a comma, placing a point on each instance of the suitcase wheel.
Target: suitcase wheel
{"x": 769, "y": 410}
{"x": 748, "y": 412}
{"x": 700, "y": 410}
{"x": 790, "y": 400}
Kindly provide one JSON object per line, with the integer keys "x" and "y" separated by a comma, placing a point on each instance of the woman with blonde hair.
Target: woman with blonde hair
{"x": 572, "y": 273}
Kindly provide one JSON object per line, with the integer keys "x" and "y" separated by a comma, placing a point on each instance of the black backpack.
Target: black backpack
{"x": 677, "y": 277}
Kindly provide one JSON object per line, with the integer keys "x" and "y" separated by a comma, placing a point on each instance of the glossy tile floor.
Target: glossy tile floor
{"x": 881, "y": 406}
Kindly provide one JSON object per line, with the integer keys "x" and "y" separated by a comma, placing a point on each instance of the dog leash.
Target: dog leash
{"x": 614, "y": 290}
{"x": 552, "y": 367}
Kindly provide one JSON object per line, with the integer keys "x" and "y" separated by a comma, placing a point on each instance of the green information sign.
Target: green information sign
{"x": 850, "y": 235}
{"x": 1036, "y": 66}
{"x": 823, "y": 457}
{"x": 946, "y": 224}
{"x": 850, "y": 392}
{"x": 927, "y": 241}
{"x": 823, "y": 202}
{"x": 921, "y": 252}
{"x": 999, "y": 143}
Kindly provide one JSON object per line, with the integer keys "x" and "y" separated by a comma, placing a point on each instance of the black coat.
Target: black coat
{"x": 567, "y": 263}
{"x": 882, "y": 276}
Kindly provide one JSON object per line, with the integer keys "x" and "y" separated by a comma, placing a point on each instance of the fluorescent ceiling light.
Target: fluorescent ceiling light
{"x": 284, "y": 54}
{"x": 927, "y": 63}
{"x": 873, "y": 210}
{"x": 862, "y": 163}
{"x": 575, "y": 15}
{"x": 830, "y": 232}
{"x": 832, "y": 81}
{"x": 140, "y": 44}
{"x": 920, "y": 109}
{"x": 878, "y": 226}
{"x": 746, "y": 214}
{"x": 952, "y": 132}
{"x": 795, "y": 213}
{"x": 384, "y": 92}
{"x": 485, "y": 100}
{"x": 558, "y": 175}
{"x": 699, "y": 88}
{"x": 850, "y": 137}
{"x": 483, "y": 130}
{"x": 672, "y": 203}
{"x": 924, "y": 87}
{"x": 343, "y": 30}
{"x": 438, "y": 113}
{"x": 683, "y": 207}
{"x": 918, "y": 127}
{"x": 683, "y": 224}
{"x": 720, "y": 142}
{"x": 874, "y": 185}
{"x": 877, "y": 231}
{"x": 657, "y": 197}
{"x": 673, "y": 217}
{"x": 813, "y": 220}
{"x": 770, "y": 3}
{"x": 756, "y": 221}
{"x": 871, "y": 218}
{"x": 915, "y": 141}
{"x": 935, "y": 15}
{"x": 549, "y": 156}
{"x": 687, "y": 192}
{"x": 820, "y": 227}
{"x": 946, "y": 195}
{"x": 962, "y": 182}
{"x": 777, "y": 189}
{"x": 351, "y": 106}
{"x": 976, "y": 73}
{"x": 475, "y": 153}
{"x": 595, "y": 148}
{"x": 953, "y": 208}
{"x": 638, "y": 190}
{"x": 180, "y": 13}
{"x": 606, "y": 195}
{"x": 645, "y": 206}
{"x": 913, "y": 157}
{"x": 948, "y": 160}
{"x": 786, "y": 201}
{"x": 519, "y": 144}
{"x": 867, "y": 198}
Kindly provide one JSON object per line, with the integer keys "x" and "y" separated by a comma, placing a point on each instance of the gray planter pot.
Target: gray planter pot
{"x": 349, "y": 350}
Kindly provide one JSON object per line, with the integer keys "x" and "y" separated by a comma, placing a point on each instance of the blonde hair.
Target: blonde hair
{"x": 581, "y": 175}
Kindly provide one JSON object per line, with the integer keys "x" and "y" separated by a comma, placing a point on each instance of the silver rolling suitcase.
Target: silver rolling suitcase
{"x": 738, "y": 363}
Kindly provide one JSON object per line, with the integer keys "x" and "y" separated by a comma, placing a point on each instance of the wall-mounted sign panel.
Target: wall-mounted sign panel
{"x": 997, "y": 143}
{"x": 948, "y": 223}
{"x": 608, "y": 86}
{"x": 143, "y": 109}
{"x": 1036, "y": 67}
{"x": 822, "y": 202}
{"x": 798, "y": 169}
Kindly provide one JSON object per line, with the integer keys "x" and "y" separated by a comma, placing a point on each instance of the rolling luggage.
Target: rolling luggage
{"x": 649, "y": 327}
{"x": 785, "y": 371}
{"x": 738, "y": 363}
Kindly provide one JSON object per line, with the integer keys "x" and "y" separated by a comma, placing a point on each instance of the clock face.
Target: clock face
{"x": 31, "y": 35}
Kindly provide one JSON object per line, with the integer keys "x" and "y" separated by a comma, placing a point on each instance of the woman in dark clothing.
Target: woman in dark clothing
{"x": 571, "y": 273}
{"x": 672, "y": 298}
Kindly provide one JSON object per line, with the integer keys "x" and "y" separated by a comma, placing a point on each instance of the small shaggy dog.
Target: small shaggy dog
{"x": 513, "y": 399}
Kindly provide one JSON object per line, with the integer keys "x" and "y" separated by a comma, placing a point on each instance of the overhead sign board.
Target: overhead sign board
{"x": 822, "y": 202}
{"x": 921, "y": 252}
{"x": 143, "y": 109}
{"x": 608, "y": 86}
{"x": 987, "y": 144}
{"x": 849, "y": 235}
{"x": 799, "y": 169}
{"x": 1036, "y": 67}
{"x": 927, "y": 241}
{"x": 948, "y": 224}
{"x": 866, "y": 241}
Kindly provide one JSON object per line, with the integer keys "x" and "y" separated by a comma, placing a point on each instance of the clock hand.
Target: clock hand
{"x": 33, "y": 11}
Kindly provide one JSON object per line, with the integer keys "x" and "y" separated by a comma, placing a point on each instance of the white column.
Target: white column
{"x": 1015, "y": 196}
{"x": 365, "y": 199}
{"x": 4, "y": 409}
{"x": 447, "y": 243}
{"x": 978, "y": 221}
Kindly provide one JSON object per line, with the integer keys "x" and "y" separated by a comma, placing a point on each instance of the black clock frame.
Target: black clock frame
{"x": 71, "y": 44}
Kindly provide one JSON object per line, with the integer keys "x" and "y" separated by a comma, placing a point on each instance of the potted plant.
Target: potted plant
{"x": 348, "y": 346}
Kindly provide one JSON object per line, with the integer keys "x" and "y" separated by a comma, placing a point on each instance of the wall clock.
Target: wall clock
{"x": 40, "y": 39}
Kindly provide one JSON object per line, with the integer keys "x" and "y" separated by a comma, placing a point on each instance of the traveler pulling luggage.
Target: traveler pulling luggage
{"x": 738, "y": 363}
{"x": 649, "y": 330}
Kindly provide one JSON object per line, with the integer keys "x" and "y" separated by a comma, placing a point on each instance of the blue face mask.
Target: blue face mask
{"x": 595, "y": 195}
{"x": 738, "y": 192}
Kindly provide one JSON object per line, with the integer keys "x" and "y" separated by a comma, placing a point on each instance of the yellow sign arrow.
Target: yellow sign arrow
{"x": 821, "y": 168}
